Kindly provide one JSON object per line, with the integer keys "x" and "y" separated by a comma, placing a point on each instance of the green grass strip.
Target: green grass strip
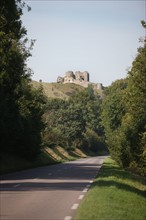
{"x": 115, "y": 195}
{"x": 11, "y": 163}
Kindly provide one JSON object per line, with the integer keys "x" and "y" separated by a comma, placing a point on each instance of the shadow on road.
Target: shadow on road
{"x": 41, "y": 186}
{"x": 68, "y": 176}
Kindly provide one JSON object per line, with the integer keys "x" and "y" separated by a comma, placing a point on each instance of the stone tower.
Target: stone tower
{"x": 82, "y": 76}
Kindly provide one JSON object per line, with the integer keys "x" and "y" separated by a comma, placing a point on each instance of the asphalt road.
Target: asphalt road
{"x": 47, "y": 193}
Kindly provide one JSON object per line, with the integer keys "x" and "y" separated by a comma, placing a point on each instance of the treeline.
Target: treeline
{"x": 75, "y": 122}
{"x": 124, "y": 115}
{"x": 21, "y": 106}
{"x": 29, "y": 121}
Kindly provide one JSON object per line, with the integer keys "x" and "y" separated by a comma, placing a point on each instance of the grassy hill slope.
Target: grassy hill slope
{"x": 62, "y": 91}
{"x": 48, "y": 156}
{"x": 58, "y": 90}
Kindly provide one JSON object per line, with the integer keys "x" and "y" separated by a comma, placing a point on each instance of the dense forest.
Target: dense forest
{"x": 30, "y": 121}
{"x": 21, "y": 107}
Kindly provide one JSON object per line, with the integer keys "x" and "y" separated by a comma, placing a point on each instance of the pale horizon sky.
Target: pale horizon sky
{"x": 100, "y": 37}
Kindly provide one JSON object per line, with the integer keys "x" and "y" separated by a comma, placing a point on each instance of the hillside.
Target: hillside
{"x": 62, "y": 91}
{"x": 58, "y": 90}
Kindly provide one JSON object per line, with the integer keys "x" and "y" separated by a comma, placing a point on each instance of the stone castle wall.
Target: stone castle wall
{"x": 80, "y": 78}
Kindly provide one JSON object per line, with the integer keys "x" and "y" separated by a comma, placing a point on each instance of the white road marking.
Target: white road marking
{"x": 68, "y": 218}
{"x": 75, "y": 206}
{"x": 16, "y": 185}
{"x": 81, "y": 197}
{"x": 85, "y": 190}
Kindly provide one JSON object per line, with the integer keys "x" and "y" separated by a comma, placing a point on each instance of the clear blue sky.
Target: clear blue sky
{"x": 100, "y": 37}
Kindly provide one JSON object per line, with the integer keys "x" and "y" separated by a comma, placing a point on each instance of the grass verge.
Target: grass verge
{"x": 115, "y": 195}
{"x": 10, "y": 163}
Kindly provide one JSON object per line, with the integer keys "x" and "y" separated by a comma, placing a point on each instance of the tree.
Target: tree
{"x": 20, "y": 105}
{"x": 64, "y": 122}
{"x": 52, "y": 136}
{"x": 91, "y": 105}
{"x": 124, "y": 115}
{"x": 113, "y": 110}
{"x": 135, "y": 102}
{"x": 71, "y": 123}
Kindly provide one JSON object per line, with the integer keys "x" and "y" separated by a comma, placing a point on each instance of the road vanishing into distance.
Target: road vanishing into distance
{"x": 47, "y": 193}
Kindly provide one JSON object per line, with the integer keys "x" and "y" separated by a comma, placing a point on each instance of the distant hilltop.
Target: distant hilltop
{"x": 79, "y": 78}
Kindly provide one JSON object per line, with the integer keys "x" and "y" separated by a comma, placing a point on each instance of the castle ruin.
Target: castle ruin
{"x": 80, "y": 78}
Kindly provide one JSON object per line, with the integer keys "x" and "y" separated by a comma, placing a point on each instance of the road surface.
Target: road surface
{"x": 47, "y": 193}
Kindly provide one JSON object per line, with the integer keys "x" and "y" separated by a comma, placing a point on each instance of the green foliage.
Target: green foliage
{"x": 136, "y": 108}
{"x": 31, "y": 108}
{"x": 52, "y": 136}
{"x": 21, "y": 107}
{"x": 71, "y": 122}
{"x": 115, "y": 194}
{"x": 124, "y": 116}
{"x": 64, "y": 122}
{"x": 91, "y": 105}
{"x": 67, "y": 121}
{"x": 92, "y": 140}
{"x": 113, "y": 111}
